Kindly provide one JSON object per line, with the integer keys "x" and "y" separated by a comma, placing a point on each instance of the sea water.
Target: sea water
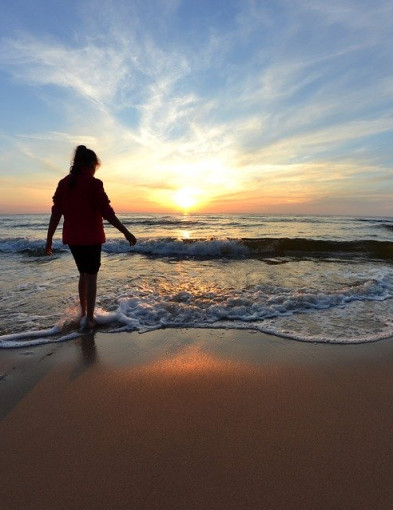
{"x": 306, "y": 278}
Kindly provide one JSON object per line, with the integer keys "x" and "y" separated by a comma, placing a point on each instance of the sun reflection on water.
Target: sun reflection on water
{"x": 184, "y": 234}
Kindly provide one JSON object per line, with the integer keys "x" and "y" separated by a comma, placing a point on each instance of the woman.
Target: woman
{"x": 81, "y": 199}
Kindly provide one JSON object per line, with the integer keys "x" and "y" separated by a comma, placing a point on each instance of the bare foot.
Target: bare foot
{"x": 86, "y": 323}
{"x": 90, "y": 323}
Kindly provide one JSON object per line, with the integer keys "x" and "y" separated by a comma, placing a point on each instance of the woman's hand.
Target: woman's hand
{"x": 131, "y": 238}
{"x": 53, "y": 222}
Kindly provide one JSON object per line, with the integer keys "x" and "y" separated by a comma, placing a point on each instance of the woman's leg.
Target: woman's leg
{"x": 91, "y": 293}
{"x": 88, "y": 261}
{"x": 87, "y": 297}
{"x": 82, "y": 293}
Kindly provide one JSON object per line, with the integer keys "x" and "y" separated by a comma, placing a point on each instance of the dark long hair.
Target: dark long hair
{"x": 83, "y": 158}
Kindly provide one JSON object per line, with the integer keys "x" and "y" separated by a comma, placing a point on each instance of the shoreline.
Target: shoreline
{"x": 197, "y": 419}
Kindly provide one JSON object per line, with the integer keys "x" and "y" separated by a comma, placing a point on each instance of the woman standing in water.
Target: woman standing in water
{"x": 81, "y": 199}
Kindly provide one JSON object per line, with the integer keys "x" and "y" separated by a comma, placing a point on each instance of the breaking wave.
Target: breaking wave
{"x": 240, "y": 248}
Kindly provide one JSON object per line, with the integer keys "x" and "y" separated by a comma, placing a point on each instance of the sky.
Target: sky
{"x": 224, "y": 106}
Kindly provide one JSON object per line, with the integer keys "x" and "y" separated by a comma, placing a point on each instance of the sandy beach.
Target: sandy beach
{"x": 196, "y": 419}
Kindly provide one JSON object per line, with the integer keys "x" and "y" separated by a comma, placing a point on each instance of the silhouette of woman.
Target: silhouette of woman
{"x": 82, "y": 200}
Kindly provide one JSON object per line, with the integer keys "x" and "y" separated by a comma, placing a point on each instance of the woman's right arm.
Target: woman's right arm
{"x": 53, "y": 222}
{"x": 56, "y": 215}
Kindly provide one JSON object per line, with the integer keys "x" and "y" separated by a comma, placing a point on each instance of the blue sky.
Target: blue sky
{"x": 238, "y": 106}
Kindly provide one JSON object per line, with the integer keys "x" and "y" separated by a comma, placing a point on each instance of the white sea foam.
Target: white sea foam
{"x": 161, "y": 247}
{"x": 23, "y": 244}
{"x": 60, "y": 332}
{"x": 281, "y": 311}
{"x": 168, "y": 247}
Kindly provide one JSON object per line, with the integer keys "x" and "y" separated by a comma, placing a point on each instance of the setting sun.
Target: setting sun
{"x": 186, "y": 198}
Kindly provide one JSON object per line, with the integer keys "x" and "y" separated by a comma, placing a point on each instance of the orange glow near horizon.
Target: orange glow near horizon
{"x": 178, "y": 129}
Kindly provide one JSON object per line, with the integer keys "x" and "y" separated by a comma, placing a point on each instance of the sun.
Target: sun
{"x": 186, "y": 198}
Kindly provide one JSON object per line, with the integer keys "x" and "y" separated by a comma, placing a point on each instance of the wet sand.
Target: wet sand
{"x": 196, "y": 419}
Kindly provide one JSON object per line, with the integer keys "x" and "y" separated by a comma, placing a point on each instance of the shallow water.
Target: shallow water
{"x": 320, "y": 279}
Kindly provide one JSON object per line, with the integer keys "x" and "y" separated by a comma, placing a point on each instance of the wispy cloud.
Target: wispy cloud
{"x": 276, "y": 92}
{"x": 92, "y": 72}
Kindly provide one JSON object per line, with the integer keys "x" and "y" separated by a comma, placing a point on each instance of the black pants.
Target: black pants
{"x": 87, "y": 257}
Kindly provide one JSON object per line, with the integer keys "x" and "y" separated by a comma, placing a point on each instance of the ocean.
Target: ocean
{"x": 304, "y": 278}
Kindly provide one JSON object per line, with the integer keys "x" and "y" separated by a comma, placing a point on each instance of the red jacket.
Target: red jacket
{"x": 83, "y": 207}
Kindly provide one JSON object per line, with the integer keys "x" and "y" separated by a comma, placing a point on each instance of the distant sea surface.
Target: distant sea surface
{"x": 306, "y": 278}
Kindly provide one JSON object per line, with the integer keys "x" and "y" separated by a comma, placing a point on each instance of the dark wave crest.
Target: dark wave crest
{"x": 387, "y": 226}
{"x": 262, "y": 248}
{"x": 227, "y": 248}
{"x": 280, "y": 247}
